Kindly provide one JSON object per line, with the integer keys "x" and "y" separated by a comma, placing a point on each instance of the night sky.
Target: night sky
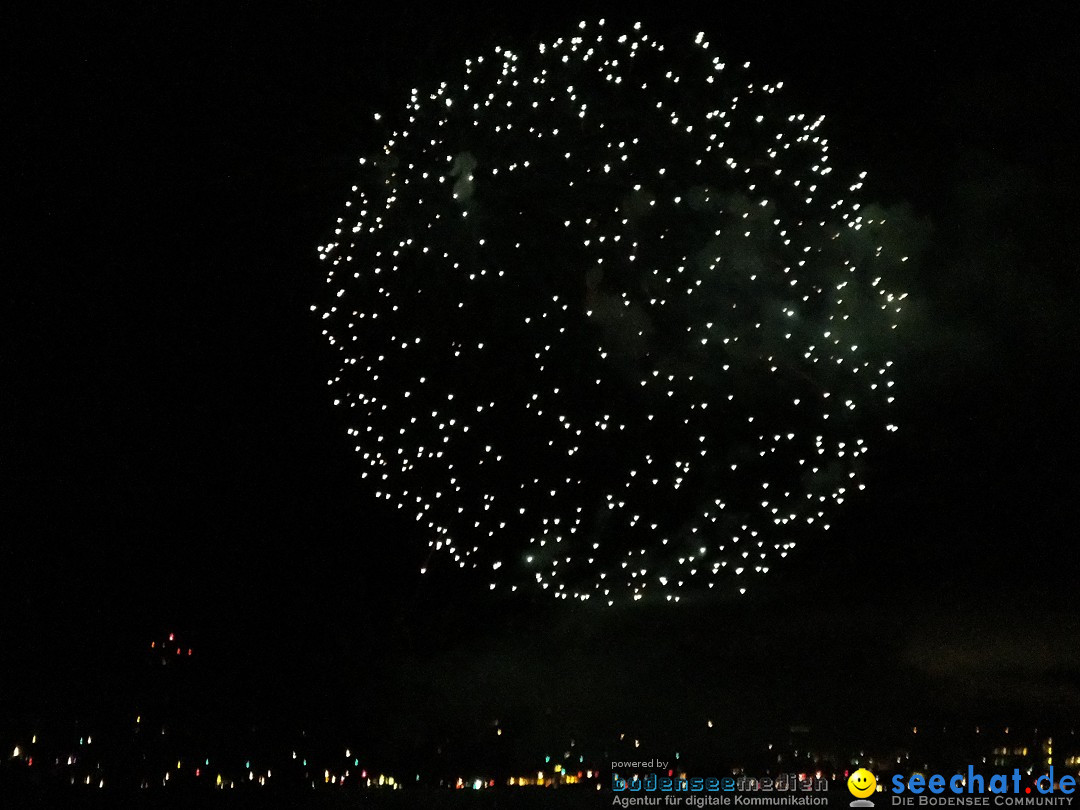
{"x": 171, "y": 459}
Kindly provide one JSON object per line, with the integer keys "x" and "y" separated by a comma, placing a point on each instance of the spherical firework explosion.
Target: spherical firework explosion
{"x": 608, "y": 323}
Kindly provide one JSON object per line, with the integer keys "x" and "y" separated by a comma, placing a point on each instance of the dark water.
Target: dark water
{"x": 32, "y": 797}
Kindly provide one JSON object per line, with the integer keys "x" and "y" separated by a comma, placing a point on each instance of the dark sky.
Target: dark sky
{"x": 170, "y": 458}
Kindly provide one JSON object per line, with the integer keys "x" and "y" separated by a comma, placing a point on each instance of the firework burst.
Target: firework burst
{"x": 609, "y": 324}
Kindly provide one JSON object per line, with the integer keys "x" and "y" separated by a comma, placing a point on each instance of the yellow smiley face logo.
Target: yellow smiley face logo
{"x": 862, "y": 783}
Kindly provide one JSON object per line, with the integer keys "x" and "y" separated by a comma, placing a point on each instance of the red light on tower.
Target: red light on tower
{"x": 189, "y": 651}
{"x": 172, "y": 637}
